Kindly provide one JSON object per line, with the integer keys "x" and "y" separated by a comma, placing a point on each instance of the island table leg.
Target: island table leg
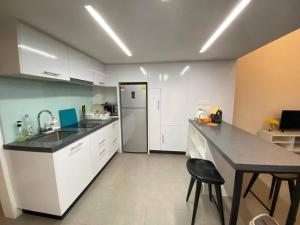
{"x": 236, "y": 197}
{"x": 291, "y": 219}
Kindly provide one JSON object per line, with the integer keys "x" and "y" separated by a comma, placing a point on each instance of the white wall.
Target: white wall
{"x": 210, "y": 83}
{"x": 104, "y": 94}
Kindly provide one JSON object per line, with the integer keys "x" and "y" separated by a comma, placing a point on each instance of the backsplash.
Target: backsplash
{"x": 21, "y": 96}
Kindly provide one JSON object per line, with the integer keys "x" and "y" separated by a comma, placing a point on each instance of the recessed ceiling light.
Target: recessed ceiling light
{"x": 37, "y": 51}
{"x": 165, "y": 0}
{"x": 143, "y": 71}
{"x": 99, "y": 19}
{"x": 185, "y": 69}
{"x": 236, "y": 11}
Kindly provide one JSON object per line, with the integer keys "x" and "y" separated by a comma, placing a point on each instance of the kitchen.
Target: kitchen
{"x": 140, "y": 151}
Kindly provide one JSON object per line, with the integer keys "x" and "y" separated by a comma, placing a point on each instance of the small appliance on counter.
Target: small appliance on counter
{"x": 216, "y": 115}
{"x": 201, "y": 114}
{"x": 212, "y": 119}
{"x": 111, "y": 108}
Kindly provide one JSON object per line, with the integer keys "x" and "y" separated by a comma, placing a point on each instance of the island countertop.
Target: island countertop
{"x": 247, "y": 152}
{"x": 51, "y": 147}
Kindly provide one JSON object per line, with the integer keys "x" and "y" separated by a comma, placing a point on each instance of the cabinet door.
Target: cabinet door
{"x": 73, "y": 171}
{"x": 100, "y": 78}
{"x": 80, "y": 66}
{"x": 115, "y": 135}
{"x": 40, "y": 55}
{"x": 154, "y": 119}
{"x": 173, "y": 138}
{"x": 111, "y": 139}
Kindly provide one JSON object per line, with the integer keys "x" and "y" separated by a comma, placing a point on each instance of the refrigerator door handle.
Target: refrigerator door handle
{"x": 158, "y": 105}
{"x": 163, "y": 138}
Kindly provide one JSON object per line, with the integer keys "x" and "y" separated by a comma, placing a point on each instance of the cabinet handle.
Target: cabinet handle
{"x": 100, "y": 153}
{"x": 101, "y": 142}
{"x": 163, "y": 139}
{"x": 76, "y": 147}
{"x": 51, "y": 74}
{"x": 158, "y": 105}
{"x": 101, "y": 82}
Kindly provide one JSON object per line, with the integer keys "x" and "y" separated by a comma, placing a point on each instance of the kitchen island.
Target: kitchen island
{"x": 245, "y": 152}
{"x": 51, "y": 172}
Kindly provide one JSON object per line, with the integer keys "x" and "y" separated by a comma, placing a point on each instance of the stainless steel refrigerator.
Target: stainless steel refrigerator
{"x": 133, "y": 98}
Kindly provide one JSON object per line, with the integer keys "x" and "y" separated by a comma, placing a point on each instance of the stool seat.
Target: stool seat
{"x": 205, "y": 171}
{"x": 285, "y": 176}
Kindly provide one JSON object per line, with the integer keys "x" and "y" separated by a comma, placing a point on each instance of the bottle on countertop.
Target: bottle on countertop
{"x": 27, "y": 126}
{"x": 20, "y": 135}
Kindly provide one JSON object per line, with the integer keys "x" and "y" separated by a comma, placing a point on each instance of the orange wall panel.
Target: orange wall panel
{"x": 267, "y": 81}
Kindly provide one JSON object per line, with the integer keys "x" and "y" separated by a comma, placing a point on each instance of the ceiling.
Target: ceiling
{"x": 157, "y": 31}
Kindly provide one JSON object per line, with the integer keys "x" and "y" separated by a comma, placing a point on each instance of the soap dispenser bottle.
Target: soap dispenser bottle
{"x": 20, "y": 136}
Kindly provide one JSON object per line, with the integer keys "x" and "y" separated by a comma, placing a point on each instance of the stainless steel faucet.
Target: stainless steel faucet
{"x": 40, "y": 129}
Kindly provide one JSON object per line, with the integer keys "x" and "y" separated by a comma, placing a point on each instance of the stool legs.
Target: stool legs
{"x": 220, "y": 203}
{"x": 252, "y": 181}
{"x": 275, "y": 196}
{"x": 210, "y": 192}
{"x": 272, "y": 187}
{"x": 190, "y": 188}
{"x": 291, "y": 188}
{"x": 197, "y": 195}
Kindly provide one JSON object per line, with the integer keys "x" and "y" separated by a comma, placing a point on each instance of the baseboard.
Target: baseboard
{"x": 167, "y": 152}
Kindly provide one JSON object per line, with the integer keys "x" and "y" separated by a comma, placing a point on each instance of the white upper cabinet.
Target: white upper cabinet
{"x": 80, "y": 66}
{"x": 26, "y": 51}
{"x": 99, "y": 76}
{"x": 41, "y": 55}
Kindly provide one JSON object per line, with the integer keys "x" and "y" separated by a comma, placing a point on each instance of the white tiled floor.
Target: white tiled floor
{"x": 140, "y": 189}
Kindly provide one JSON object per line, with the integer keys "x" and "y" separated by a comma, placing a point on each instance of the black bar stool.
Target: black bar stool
{"x": 204, "y": 171}
{"x": 275, "y": 188}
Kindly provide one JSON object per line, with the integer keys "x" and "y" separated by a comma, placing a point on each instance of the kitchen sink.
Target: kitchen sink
{"x": 53, "y": 137}
{"x": 87, "y": 124}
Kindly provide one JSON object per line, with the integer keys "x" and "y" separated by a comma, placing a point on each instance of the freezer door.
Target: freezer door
{"x": 133, "y": 95}
{"x": 134, "y": 130}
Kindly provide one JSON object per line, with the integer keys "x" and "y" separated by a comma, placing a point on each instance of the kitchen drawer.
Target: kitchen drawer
{"x": 98, "y": 143}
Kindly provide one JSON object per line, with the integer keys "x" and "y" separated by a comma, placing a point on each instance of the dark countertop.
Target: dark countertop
{"x": 51, "y": 147}
{"x": 247, "y": 152}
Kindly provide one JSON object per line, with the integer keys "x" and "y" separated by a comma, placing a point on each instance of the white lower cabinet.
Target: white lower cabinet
{"x": 73, "y": 171}
{"x": 114, "y": 137}
{"x": 50, "y": 182}
{"x": 98, "y": 150}
{"x": 173, "y": 138}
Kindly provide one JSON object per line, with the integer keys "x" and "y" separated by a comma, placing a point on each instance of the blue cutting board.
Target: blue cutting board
{"x": 68, "y": 117}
